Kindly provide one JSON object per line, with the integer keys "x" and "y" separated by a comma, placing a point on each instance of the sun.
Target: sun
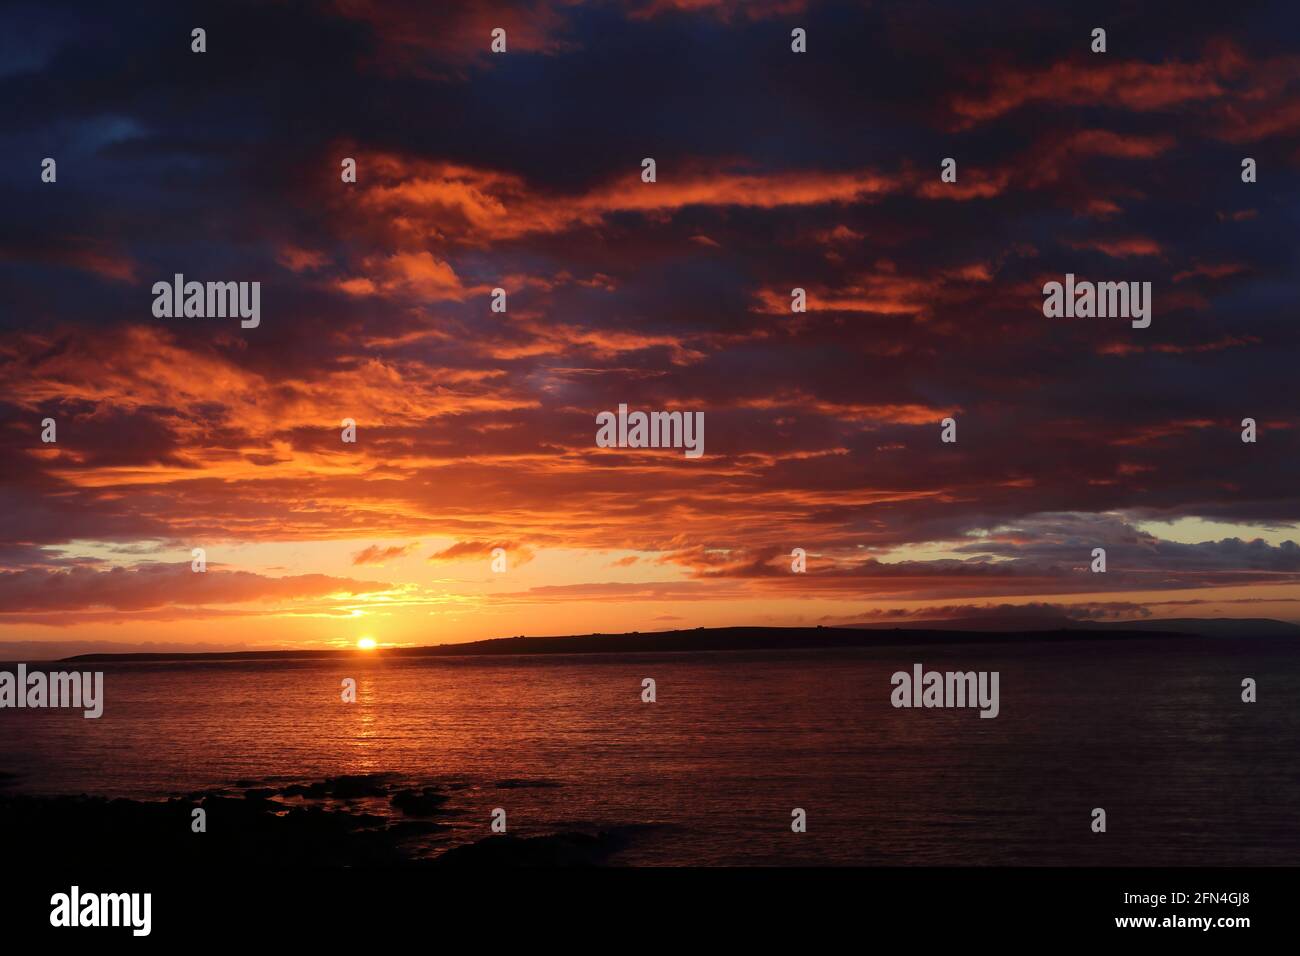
{"x": 366, "y": 643}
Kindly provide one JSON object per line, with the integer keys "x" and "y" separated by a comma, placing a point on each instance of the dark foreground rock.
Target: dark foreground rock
{"x": 560, "y": 849}
{"x": 301, "y": 825}
{"x": 240, "y": 832}
{"x": 346, "y": 787}
{"x": 424, "y": 802}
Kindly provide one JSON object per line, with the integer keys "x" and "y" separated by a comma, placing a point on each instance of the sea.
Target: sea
{"x": 715, "y": 769}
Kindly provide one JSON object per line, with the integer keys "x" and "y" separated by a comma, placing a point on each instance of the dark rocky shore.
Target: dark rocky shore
{"x": 348, "y": 821}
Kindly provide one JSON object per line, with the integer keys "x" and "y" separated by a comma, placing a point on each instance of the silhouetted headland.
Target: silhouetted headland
{"x": 772, "y": 638}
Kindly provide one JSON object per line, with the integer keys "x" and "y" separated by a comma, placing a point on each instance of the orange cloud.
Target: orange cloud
{"x": 297, "y": 259}
{"x": 152, "y": 586}
{"x": 884, "y": 291}
{"x": 465, "y": 550}
{"x": 913, "y": 413}
{"x": 410, "y": 30}
{"x": 413, "y": 273}
{"x": 379, "y": 556}
{"x": 721, "y": 9}
{"x": 1132, "y": 85}
{"x": 1210, "y": 271}
{"x": 1122, "y": 248}
{"x": 87, "y": 255}
{"x": 449, "y": 203}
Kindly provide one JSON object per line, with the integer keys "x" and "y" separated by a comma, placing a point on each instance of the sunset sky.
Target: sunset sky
{"x": 522, "y": 170}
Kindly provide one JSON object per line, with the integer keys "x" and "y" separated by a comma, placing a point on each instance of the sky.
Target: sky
{"x": 774, "y": 170}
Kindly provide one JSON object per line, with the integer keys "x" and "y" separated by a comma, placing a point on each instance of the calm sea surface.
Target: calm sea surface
{"x": 1153, "y": 731}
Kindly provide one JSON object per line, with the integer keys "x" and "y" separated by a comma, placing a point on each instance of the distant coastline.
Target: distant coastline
{"x": 762, "y": 638}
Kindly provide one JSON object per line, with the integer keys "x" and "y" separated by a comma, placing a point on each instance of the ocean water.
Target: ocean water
{"x": 1153, "y": 731}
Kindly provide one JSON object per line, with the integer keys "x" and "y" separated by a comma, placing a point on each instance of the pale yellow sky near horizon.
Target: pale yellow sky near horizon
{"x": 568, "y": 591}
